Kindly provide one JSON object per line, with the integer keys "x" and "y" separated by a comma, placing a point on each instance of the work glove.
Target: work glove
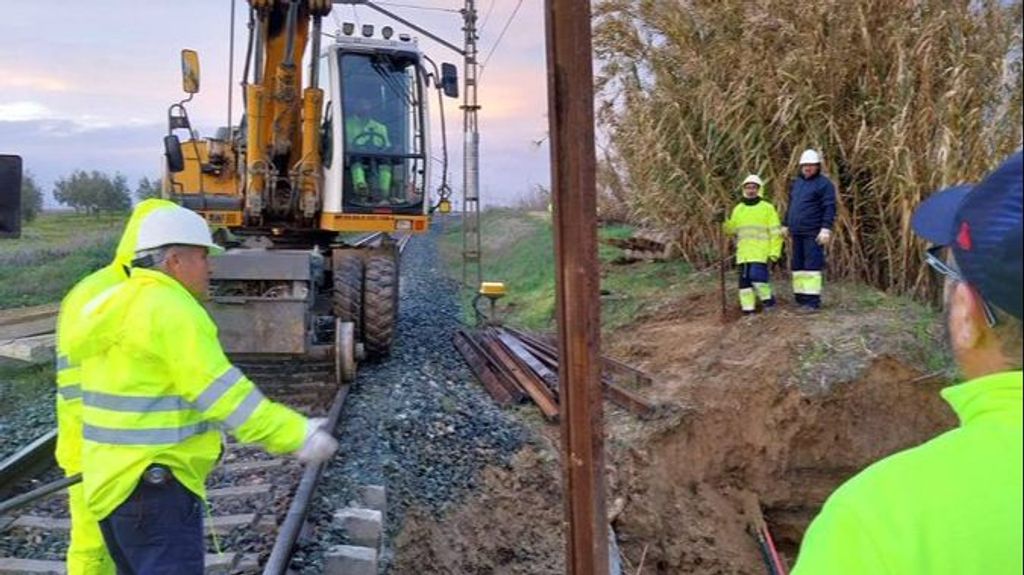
{"x": 824, "y": 237}
{"x": 319, "y": 445}
{"x": 784, "y": 231}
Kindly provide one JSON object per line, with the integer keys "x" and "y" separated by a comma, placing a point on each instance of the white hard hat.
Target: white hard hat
{"x": 753, "y": 179}
{"x": 175, "y": 226}
{"x": 810, "y": 157}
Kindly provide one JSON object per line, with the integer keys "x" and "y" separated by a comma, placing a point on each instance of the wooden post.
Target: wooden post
{"x": 571, "y": 120}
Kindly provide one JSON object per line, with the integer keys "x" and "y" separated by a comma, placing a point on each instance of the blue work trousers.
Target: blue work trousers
{"x": 807, "y": 264}
{"x": 157, "y": 530}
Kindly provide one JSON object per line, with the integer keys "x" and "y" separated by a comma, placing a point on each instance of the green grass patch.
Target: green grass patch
{"x": 54, "y": 252}
{"x": 518, "y": 249}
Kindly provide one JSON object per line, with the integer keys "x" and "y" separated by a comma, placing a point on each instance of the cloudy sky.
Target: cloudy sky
{"x": 85, "y": 84}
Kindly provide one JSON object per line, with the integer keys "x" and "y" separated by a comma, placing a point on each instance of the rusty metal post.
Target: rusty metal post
{"x": 571, "y": 121}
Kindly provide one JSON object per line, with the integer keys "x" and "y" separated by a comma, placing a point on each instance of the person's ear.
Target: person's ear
{"x": 966, "y": 317}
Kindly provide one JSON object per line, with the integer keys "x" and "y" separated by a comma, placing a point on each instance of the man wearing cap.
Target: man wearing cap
{"x": 810, "y": 214}
{"x": 953, "y": 504}
{"x": 156, "y": 390}
{"x": 87, "y": 554}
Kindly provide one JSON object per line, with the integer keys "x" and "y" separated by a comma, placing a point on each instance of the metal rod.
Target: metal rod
{"x": 290, "y": 25}
{"x": 38, "y": 493}
{"x": 571, "y": 120}
{"x": 281, "y": 554}
{"x": 231, "y": 66}
{"x": 314, "y": 55}
{"x": 257, "y": 62}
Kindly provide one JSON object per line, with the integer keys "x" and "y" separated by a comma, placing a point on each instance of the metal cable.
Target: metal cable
{"x": 500, "y": 36}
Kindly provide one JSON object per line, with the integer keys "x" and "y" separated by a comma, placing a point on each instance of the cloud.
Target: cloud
{"x": 12, "y": 79}
{"x": 25, "y": 111}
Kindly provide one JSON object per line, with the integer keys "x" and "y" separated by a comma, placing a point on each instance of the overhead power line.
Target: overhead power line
{"x": 508, "y": 23}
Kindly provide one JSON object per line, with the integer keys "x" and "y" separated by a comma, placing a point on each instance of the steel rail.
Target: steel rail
{"x": 288, "y": 534}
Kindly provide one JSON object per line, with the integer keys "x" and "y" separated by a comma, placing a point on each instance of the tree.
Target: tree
{"x": 147, "y": 189}
{"x": 31, "y": 198}
{"x": 93, "y": 192}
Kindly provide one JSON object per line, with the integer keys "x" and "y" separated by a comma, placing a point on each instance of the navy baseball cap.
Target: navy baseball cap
{"x": 981, "y": 223}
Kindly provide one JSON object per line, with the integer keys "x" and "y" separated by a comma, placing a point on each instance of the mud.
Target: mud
{"x": 768, "y": 416}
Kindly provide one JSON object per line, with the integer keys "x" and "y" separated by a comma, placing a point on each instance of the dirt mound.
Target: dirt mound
{"x": 761, "y": 423}
{"x": 771, "y": 414}
{"x": 511, "y": 527}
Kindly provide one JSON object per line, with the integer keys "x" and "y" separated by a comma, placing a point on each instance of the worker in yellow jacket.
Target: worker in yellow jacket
{"x": 951, "y": 506}
{"x": 87, "y": 554}
{"x": 755, "y": 223}
{"x": 156, "y": 391}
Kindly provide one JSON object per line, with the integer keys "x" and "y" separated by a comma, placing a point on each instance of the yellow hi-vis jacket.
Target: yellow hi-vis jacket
{"x": 157, "y": 388}
{"x": 69, "y": 388}
{"x": 757, "y": 230}
{"x": 951, "y": 506}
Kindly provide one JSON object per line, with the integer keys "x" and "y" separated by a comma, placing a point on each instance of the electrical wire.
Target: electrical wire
{"x": 414, "y": 7}
{"x": 508, "y": 23}
{"x": 487, "y": 16}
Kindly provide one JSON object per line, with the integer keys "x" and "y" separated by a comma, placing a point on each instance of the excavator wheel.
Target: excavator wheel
{"x": 348, "y": 290}
{"x": 380, "y": 304}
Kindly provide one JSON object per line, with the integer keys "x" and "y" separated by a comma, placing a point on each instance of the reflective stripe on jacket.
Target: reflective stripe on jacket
{"x": 949, "y": 506}
{"x": 69, "y": 388}
{"x": 157, "y": 388}
{"x": 758, "y": 236}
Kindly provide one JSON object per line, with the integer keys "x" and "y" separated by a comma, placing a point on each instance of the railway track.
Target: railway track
{"x": 257, "y": 503}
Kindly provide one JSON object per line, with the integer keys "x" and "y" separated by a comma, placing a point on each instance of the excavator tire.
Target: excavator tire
{"x": 348, "y": 291}
{"x": 380, "y": 304}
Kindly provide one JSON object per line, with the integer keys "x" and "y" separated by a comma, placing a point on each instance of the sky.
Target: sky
{"x": 86, "y": 84}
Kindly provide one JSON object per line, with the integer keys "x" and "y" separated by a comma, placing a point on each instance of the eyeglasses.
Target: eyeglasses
{"x": 933, "y": 257}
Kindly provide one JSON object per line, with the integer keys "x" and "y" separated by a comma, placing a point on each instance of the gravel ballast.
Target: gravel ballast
{"x": 417, "y": 423}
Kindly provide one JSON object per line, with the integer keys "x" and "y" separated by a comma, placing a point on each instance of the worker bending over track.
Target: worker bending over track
{"x": 156, "y": 390}
{"x": 952, "y": 505}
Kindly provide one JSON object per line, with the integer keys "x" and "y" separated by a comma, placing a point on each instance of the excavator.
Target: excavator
{"x": 319, "y": 161}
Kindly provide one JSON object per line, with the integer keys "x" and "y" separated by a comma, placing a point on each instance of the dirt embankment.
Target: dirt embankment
{"x": 772, "y": 413}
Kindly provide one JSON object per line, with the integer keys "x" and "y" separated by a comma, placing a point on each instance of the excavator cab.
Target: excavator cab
{"x": 376, "y": 141}
{"x": 382, "y": 133}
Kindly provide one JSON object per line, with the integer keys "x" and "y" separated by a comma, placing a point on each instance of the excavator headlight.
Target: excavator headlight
{"x": 367, "y": 30}
{"x": 387, "y": 32}
{"x": 348, "y": 28}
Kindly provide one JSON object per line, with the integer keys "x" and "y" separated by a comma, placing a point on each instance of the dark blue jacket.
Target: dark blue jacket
{"x": 812, "y": 205}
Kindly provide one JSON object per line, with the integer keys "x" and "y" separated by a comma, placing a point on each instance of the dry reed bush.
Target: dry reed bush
{"x": 901, "y": 97}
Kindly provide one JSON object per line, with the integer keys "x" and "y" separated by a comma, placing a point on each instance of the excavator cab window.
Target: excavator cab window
{"x": 382, "y": 129}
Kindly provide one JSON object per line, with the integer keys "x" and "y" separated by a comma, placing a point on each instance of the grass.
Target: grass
{"x": 519, "y": 250}
{"x": 55, "y": 251}
{"x": 858, "y": 320}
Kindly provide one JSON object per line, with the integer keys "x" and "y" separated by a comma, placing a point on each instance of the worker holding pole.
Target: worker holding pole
{"x": 810, "y": 215}
{"x": 87, "y": 554}
{"x": 755, "y": 223}
{"x": 156, "y": 389}
{"x": 953, "y": 504}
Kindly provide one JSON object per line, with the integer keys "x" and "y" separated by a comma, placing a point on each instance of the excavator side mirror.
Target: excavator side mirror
{"x": 450, "y": 80}
{"x": 190, "y": 71}
{"x": 10, "y": 196}
{"x": 172, "y": 151}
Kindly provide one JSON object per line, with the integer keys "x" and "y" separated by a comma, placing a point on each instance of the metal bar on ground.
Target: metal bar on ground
{"x": 38, "y": 493}
{"x": 28, "y": 459}
{"x": 483, "y": 372}
{"x": 281, "y": 554}
{"x": 577, "y": 279}
{"x": 528, "y": 381}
